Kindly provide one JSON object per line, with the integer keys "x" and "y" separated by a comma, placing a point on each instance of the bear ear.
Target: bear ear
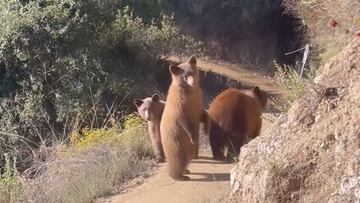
{"x": 192, "y": 60}
{"x": 256, "y": 90}
{"x": 155, "y": 98}
{"x": 138, "y": 102}
{"x": 175, "y": 70}
{"x": 261, "y": 95}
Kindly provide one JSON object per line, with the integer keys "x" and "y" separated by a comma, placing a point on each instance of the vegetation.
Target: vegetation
{"x": 68, "y": 70}
{"x": 289, "y": 79}
{"x": 251, "y": 33}
{"x": 330, "y": 24}
{"x": 10, "y": 188}
{"x": 65, "y": 61}
{"x": 99, "y": 162}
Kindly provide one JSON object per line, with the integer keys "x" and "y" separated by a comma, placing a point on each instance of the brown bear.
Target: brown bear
{"x": 235, "y": 119}
{"x": 151, "y": 110}
{"x": 183, "y": 111}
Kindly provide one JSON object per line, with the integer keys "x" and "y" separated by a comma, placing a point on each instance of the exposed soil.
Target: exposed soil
{"x": 312, "y": 153}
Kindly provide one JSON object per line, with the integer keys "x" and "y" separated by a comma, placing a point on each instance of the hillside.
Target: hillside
{"x": 70, "y": 71}
{"x": 311, "y": 154}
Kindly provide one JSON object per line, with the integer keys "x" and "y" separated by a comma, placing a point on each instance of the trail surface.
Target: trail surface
{"x": 239, "y": 74}
{"x": 210, "y": 180}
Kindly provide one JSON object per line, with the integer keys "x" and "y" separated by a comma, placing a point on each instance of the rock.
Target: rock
{"x": 312, "y": 154}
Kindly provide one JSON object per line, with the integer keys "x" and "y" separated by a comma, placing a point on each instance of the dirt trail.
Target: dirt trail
{"x": 210, "y": 180}
{"x": 239, "y": 74}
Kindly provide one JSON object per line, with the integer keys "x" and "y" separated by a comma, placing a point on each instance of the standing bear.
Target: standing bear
{"x": 235, "y": 119}
{"x": 151, "y": 110}
{"x": 183, "y": 111}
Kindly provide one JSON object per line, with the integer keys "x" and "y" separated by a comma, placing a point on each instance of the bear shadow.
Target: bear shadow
{"x": 211, "y": 161}
{"x": 210, "y": 177}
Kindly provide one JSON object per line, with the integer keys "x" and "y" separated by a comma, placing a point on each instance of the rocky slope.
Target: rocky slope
{"x": 312, "y": 154}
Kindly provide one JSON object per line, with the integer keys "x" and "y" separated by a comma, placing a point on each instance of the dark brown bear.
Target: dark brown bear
{"x": 235, "y": 119}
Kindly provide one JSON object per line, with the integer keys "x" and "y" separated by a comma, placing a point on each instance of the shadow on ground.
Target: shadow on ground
{"x": 210, "y": 177}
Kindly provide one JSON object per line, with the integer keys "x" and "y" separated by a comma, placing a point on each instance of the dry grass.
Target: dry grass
{"x": 331, "y": 24}
{"x": 287, "y": 78}
{"x": 83, "y": 173}
{"x": 310, "y": 154}
{"x": 92, "y": 168}
{"x": 85, "y": 176}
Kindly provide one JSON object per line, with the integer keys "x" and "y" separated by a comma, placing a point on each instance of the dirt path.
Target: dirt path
{"x": 210, "y": 180}
{"x": 239, "y": 74}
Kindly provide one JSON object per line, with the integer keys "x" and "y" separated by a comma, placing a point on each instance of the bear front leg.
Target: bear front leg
{"x": 192, "y": 130}
{"x": 216, "y": 142}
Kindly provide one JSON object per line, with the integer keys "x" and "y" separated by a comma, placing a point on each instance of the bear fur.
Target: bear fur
{"x": 151, "y": 110}
{"x": 235, "y": 119}
{"x": 183, "y": 111}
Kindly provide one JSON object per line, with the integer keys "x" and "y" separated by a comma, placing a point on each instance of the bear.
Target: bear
{"x": 151, "y": 110}
{"x": 235, "y": 119}
{"x": 179, "y": 126}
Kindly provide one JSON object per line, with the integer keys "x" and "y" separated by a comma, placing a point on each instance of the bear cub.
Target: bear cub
{"x": 151, "y": 110}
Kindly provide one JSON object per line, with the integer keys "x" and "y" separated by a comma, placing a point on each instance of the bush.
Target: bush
{"x": 10, "y": 188}
{"x": 287, "y": 78}
{"x": 65, "y": 61}
{"x": 141, "y": 145}
{"x": 250, "y": 33}
{"x": 101, "y": 160}
{"x": 132, "y": 121}
{"x": 93, "y": 137}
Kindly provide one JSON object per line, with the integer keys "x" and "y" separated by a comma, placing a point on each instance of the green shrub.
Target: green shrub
{"x": 64, "y": 61}
{"x": 94, "y": 136}
{"x": 134, "y": 136}
{"x": 132, "y": 121}
{"x": 10, "y": 187}
{"x": 137, "y": 140}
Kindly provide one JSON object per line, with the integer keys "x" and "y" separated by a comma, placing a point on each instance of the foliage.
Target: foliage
{"x": 241, "y": 31}
{"x": 98, "y": 161}
{"x": 10, "y": 188}
{"x": 240, "y": 12}
{"x": 93, "y": 136}
{"x": 132, "y": 121}
{"x": 66, "y": 61}
{"x": 134, "y": 136}
{"x": 137, "y": 139}
{"x": 86, "y": 173}
{"x": 289, "y": 79}
{"x": 146, "y": 9}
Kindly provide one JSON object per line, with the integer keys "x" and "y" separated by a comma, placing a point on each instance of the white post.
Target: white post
{"x": 306, "y": 54}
